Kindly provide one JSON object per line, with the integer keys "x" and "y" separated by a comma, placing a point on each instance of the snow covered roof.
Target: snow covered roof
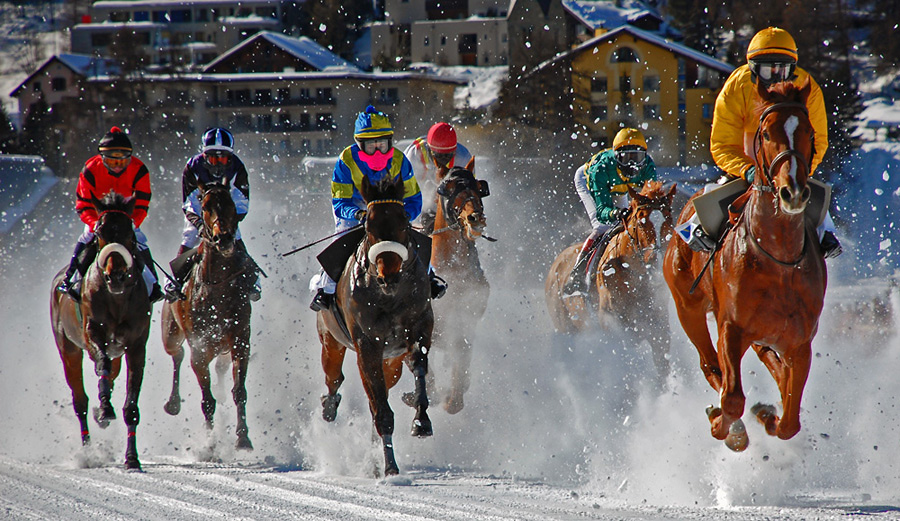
{"x": 302, "y": 48}
{"x": 676, "y": 48}
{"x": 81, "y": 64}
{"x": 604, "y": 14}
{"x": 132, "y": 4}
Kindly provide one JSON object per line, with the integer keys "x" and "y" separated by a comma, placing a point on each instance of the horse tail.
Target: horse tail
{"x": 115, "y": 247}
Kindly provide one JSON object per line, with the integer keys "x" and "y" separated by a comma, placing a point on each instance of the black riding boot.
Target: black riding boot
{"x": 255, "y": 292}
{"x": 427, "y": 220}
{"x": 146, "y": 258}
{"x": 577, "y": 277}
{"x": 438, "y": 285}
{"x": 82, "y": 258}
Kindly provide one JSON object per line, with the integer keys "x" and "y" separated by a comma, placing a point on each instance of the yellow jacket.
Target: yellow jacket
{"x": 736, "y": 119}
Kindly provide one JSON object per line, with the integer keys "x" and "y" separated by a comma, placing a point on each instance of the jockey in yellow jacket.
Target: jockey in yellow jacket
{"x": 771, "y": 58}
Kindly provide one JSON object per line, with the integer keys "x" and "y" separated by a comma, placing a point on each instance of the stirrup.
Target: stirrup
{"x": 321, "y": 301}
{"x": 831, "y": 247}
{"x": 695, "y": 237}
{"x": 255, "y": 292}
{"x": 173, "y": 294}
{"x": 438, "y": 287}
{"x": 574, "y": 286}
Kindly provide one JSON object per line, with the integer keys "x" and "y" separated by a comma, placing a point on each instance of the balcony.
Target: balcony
{"x": 273, "y": 102}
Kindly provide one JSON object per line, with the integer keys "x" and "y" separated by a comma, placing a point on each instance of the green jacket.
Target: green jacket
{"x": 606, "y": 182}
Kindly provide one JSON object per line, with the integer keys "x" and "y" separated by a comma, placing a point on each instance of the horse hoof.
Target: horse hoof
{"x": 422, "y": 428}
{"x": 453, "y": 406}
{"x": 766, "y": 415}
{"x": 330, "y": 406}
{"x": 243, "y": 443}
{"x": 391, "y": 470}
{"x": 737, "y": 439}
{"x": 409, "y": 399}
{"x": 133, "y": 464}
{"x": 173, "y": 406}
{"x": 712, "y": 412}
{"x": 104, "y": 415}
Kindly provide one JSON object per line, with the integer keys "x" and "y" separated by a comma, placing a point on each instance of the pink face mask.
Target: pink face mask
{"x": 378, "y": 160}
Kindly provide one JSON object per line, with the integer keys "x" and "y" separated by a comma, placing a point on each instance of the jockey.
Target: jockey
{"x": 373, "y": 156}
{"x": 114, "y": 169}
{"x": 428, "y": 153}
{"x": 771, "y": 58}
{"x": 600, "y": 182}
{"x": 216, "y": 163}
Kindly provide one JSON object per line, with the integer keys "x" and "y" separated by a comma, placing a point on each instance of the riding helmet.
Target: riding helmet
{"x": 218, "y": 139}
{"x": 629, "y": 136}
{"x": 115, "y": 139}
{"x": 442, "y": 138}
{"x": 772, "y": 40}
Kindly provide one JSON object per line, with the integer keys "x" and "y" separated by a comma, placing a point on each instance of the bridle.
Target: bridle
{"x": 653, "y": 204}
{"x": 464, "y": 183}
{"x": 768, "y": 172}
{"x": 365, "y": 261}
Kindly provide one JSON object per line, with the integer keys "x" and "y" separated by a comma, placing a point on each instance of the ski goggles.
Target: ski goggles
{"x": 381, "y": 144}
{"x": 631, "y": 157}
{"x": 217, "y": 157}
{"x": 116, "y": 159}
{"x": 773, "y": 72}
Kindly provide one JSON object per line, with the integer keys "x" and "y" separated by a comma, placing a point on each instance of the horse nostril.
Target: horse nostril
{"x": 472, "y": 218}
{"x": 806, "y": 193}
{"x": 785, "y": 193}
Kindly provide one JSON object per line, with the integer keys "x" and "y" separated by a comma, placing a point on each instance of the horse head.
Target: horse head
{"x": 115, "y": 240}
{"x": 461, "y": 196}
{"x": 784, "y": 145}
{"x": 220, "y": 219}
{"x": 650, "y": 220}
{"x": 387, "y": 227}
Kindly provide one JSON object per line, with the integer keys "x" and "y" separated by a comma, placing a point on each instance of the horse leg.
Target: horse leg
{"x": 371, "y": 370}
{"x": 421, "y": 426}
{"x": 173, "y": 339}
{"x": 726, "y": 422}
{"x": 105, "y": 413}
{"x": 240, "y": 358}
{"x": 764, "y": 413}
{"x": 459, "y": 376}
{"x": 792, "y": 390}
{"x": 200, "y": 359}
{"x": 693, "y": 321}
{"x": 72, "y": 357}
{"x": 332, "y": 361}
{"x": 136, "y": 358}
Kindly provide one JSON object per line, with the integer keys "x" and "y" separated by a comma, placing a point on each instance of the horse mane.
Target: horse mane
{"x": 785, "y": 91}
{"x": 459, "y": 172}
{"x": 384, "y": 188}
{"x": 113, "y": 201}
{"x": 653, "y": 189}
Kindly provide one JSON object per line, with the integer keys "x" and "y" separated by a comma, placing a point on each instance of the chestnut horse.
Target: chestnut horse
{"x": 626, "y": 296}
{"x": 766, "y": 284}
{"x": 215, "y": 316}
{"x": 112, "y": 320}
{"x": 459, "y": 221}
{"x": 383, "y": 312}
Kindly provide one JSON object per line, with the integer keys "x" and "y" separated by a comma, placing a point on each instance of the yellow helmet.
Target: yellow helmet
{"x": 772, "y": 40}
{"x": 629, "y": 136}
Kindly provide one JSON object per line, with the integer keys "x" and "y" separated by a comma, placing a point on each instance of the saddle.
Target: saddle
{"x": 716, "y": 207}
{"x": 334, "y": 257}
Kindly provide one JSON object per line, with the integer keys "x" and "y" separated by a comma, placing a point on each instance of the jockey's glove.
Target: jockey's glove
{"x": 619, "y": 214}
{"x": 360, "y": 215}
{"x": 748, "y": 175}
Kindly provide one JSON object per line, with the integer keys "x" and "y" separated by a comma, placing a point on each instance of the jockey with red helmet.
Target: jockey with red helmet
{"x": 216, "y": 163}
{"x": 439, "y": 148}
{"x": 372, "y": 156}
{"x": 771, "y": 58}
{"x": 114, "y": 169}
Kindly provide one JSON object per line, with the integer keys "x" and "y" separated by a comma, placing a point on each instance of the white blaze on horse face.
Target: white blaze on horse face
{"x": 790, "y": 128}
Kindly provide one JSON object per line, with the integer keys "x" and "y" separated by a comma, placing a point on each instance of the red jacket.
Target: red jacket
{"x": 97, "y": 180}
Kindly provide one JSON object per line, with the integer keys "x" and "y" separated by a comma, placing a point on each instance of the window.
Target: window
{"x": 284, "y": 94}
{"x": 443, "y": 40}
{"x": 598, "y": 85}
{"x": 426, "y": 41}
{"x": 241, "y": 122}
{"x": 285, "y": 121}
{"x": 180, "y": 16}
{"x": 119, "y": 16}
{"x": 36, "y": 87}
{"x": 160, "y": 17}
{"x": 304, "y": 122}
{"x": 100, "y": 39}
{"x": 625, "y": 83}
{"x": 651, "y": 83}
{"x": 264, "y": 122}
{"x": 242, "y": 96}
{"x": 598, "y": 113}
{"x": 58, "y": 84}
{"x": 624, "y": 55}
{"x": 324, "y": 94}
{"x": 263, "y": 96}
{"x": 651, "y": 111}
{"x": 142, "y": 16}
{"x": 707, "y": 111}
{"x": 324, "y": 122}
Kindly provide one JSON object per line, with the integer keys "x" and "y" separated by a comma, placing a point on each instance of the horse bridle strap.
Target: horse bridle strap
{"x": 384, "y": 201}
{"x": 768, "y": 172}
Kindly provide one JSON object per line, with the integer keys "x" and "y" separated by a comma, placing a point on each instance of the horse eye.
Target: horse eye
{"x": 766, "y": 135}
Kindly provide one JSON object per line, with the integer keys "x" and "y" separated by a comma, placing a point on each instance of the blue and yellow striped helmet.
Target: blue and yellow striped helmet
{"x": 372, "y": 123}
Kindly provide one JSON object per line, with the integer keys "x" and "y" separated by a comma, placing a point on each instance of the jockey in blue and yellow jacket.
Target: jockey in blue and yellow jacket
{"x": 372, "y": 156}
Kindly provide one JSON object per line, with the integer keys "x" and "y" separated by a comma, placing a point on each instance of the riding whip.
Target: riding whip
{"x": 295, "y": 250}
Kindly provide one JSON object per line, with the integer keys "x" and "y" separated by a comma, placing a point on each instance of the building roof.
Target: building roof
{"x": 676, "y": 48}
{"x": 302, "y": 48}
{"x": 604, "y": 14}
{"x": 146, "y": 4}
{"x": 81, "y": 64}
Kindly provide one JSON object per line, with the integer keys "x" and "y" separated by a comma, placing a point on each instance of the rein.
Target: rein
{"x": 769, "y": 171}
{"x": 755, "y": 242}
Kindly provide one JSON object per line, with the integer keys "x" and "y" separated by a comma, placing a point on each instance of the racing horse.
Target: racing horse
{"x": 765, "y": 286}
{"x": 214, "y": 317}
{"x": 383, "y": 312}
{"x": 626, "y": 293}
{"x": 459, "y": 221}
{"x": 111, "y": 321}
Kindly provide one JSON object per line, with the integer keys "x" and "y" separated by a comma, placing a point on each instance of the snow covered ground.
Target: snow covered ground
{"x": 550, "y": 430}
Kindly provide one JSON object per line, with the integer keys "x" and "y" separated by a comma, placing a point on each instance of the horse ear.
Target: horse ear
{"x": 202, "y": 187}
{"x": 672, "y": 190}
{"x": 470, "y": 166}
{"x": 129, "y": 205}
{"x": 365, "y": 189}
{"x": 631, "y": 191}
{"x": 805, "y": 89}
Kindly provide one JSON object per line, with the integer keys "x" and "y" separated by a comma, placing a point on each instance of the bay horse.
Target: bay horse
{"x": 765, "y": 286}
{"x": 459, "y": 221}
{"x": 383, "y": 312}
{"x": 111, "y": 321}
{"x": 625, "y": 293}
{"x": 215, "y": 316}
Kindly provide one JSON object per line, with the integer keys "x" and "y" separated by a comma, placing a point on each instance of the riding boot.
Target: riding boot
{"x": 146, "y": 259}
{"x": 173, "y": 289}
{"x": 255, "y": 292}
{"x": 81, "y": 261}
{"x": 831, "y": 247}
{"x": 322, "y": 300}
{"x": 577, "y": 280}
{"x": 438, "y": 285}
{"x": 427, "y": 220}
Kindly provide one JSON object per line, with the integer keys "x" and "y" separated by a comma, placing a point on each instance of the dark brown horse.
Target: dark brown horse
{"x": 215, "y": 316}
{"x": 383, "y": 312}
{"x": 112, "y": 320}
{"x": 458, "y": 223}
{"x": 766, "y": 284}
{"x": 626, "y": 296}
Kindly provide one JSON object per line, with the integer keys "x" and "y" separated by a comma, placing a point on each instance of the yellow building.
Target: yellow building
{"x": 628, "y": 77}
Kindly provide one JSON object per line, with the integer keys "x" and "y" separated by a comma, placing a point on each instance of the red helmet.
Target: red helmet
{"x": 442, "y": 139}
